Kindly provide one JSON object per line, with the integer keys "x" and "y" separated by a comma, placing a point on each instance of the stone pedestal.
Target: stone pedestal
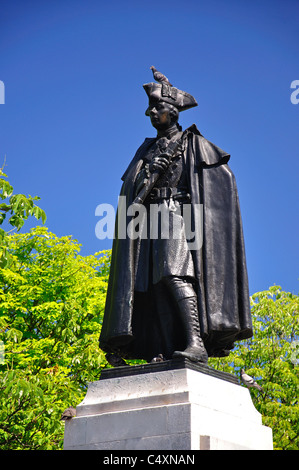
{"x": 174, "y": 405}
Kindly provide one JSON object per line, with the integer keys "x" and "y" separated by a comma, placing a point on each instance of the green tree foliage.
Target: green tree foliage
{"x": 51, "y": 302}
{"x": 272, "y": 358}
{"x": 18, "y": 207}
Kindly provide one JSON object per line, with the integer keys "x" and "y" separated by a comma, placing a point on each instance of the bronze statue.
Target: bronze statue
{"x": 171, "y": 295}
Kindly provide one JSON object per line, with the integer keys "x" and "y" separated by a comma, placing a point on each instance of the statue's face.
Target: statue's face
{"x": 160, "y": 115}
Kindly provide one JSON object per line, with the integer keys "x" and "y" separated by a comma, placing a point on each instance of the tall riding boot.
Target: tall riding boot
{"x": 195, "y": 350}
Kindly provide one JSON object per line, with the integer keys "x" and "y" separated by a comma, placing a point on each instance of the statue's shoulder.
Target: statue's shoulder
{"x": 141, "y": 151}
{"x": 193, "y": 134}
{"x": 206, "y": 153}
{"x": 193, "y": 131}
{"x": 148, "y": 141}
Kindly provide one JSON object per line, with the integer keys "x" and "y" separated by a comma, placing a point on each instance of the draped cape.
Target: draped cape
{"x": 143, "y": 324}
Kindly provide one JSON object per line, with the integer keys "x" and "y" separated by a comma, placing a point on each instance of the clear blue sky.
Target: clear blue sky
{"x": 74, "y": 107}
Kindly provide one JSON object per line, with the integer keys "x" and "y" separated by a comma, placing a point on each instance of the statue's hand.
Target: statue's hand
{"x": 158, "y": 164}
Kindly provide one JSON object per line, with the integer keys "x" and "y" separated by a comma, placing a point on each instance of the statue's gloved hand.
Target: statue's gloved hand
{"x": 158, "y": 164}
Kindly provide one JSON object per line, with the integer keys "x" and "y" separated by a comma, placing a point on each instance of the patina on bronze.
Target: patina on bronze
{"x": 164, "y": 298}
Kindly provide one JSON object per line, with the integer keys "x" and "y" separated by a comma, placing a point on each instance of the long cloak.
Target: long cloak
{"x": 144, "y": 324}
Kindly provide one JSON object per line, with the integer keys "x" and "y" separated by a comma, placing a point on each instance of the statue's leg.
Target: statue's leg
{"x": 186, "y": 300}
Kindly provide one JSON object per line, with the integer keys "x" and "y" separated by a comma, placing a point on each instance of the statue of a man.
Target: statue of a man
{"x": 168, "y": 294}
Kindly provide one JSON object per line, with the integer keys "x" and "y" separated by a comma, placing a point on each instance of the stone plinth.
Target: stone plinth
{"x": 174, "y": 405}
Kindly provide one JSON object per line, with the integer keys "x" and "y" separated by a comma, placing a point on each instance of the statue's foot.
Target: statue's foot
{"x": 194, "y": 354}
{"x": 115, "y": 360}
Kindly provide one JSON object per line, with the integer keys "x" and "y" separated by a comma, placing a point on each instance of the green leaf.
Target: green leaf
{"x": 16, "y": 221}
{"x": 6, "y": 188}
{"x": 14, "y": 335}
{"x": 39, "y": 214}
{"x": 43, "y": 216}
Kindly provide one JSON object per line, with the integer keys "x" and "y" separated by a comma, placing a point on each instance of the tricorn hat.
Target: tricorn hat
{"x": 169, "y": 94}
